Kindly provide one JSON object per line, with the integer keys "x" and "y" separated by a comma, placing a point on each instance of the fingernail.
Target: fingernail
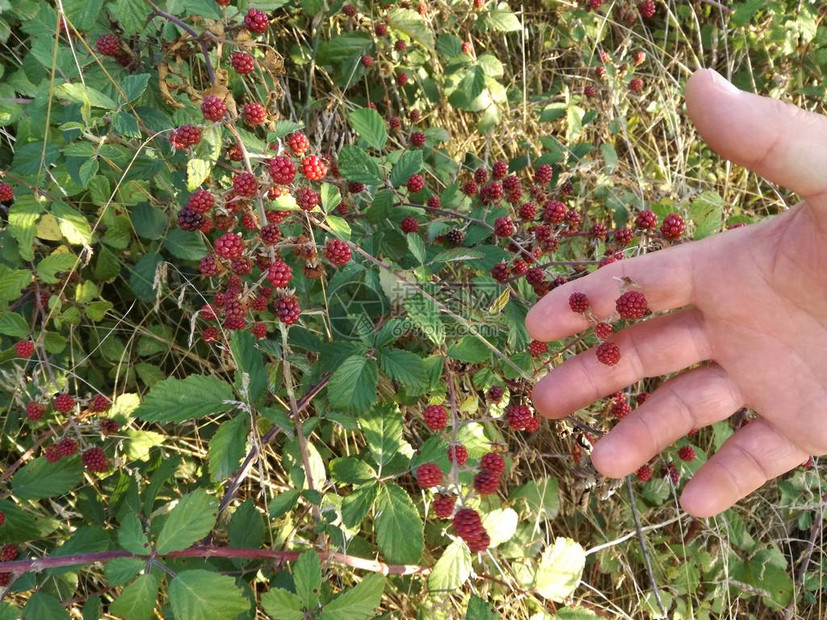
{"x": 723, "y": 83}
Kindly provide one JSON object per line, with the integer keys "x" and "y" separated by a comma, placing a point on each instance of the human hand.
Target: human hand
{"x": 752, "y": 301}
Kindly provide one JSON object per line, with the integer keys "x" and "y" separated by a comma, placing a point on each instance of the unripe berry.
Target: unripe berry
{"x": 537, "y": 348}
{"x": 603, "y": 330}
{"x": 229, "y": 245}
{"x": 500, "y": 169}
{"x": 608, "y": 353}
{"x": 308, "y": 198}
{"x": 108, "y": 45}
{"x": 201, "y": 201}
{"x": 686, "y": 453}
{"x": 185, "y": 136}
{"x": 64, "y": 403}
{"x": 644, "y": 474}
{"x": 409, "y": 224}
{"x": 494, "y": 394}
{"x": 504, "y": 227}
{"x": 444, "y": 505}
{"x": 243, "y": 62}
{"x": 24, "y": 348}
{"x": 254, "y": 113}
{"x": 493, "y": 462}
{"x": 428, "y": 475}
{"x": 543, "y": 174}
{"x": 436, "y": 417}
{"x": 367, "y": 61}
{"x": 459, "y": 452}
{"x": 287, "y": 309}
{"x": 99, "y": 404}
{"x": 518, "y": 416}
{"x": 313, "y": 168}
{"x": 418, "y": 139}
{"x": 6, "y": 193}
{"x": 415, "y": 183}
{"x": 647, "y": 9}
{"x": 631, "y": 305}
{"x": 673, "y": 227}
{"x": 256, "y": 20}
{"x": 486, "y": 482}
{"x": 279, "y": 274}
{"x": 646, "y": 220}
{"x": 578, "y": 302}
{"x": 94, "y": 459}
{"x": 298, "y": 143}
{"x": 337, "y": 252}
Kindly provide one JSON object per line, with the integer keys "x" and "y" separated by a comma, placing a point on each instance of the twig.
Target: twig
{"x": 806, "y": 556}
{"x": 190, "y": 31}
{"x": 241, "y": 473}
{"x": 647, "y": 560}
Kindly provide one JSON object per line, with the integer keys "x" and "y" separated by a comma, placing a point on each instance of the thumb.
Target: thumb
{"x": 779, "y": 141}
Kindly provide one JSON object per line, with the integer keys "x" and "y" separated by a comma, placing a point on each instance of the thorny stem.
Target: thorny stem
{"x": 190, "y": 31}
{"x": 454, "y": 422}
{"x": 643, "y": 548}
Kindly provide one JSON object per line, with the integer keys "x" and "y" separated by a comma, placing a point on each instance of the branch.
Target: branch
{"x": 647, "y": 560}
{"x": 190, "y": 31}
{"x": 18, "y": 567}
{"x": 241, "y": 473}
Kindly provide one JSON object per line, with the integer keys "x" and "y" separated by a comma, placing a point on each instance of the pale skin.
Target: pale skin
{"x": 750, "y": 303}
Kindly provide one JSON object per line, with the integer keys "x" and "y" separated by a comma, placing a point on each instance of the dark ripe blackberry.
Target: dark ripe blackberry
{"x": 494, "y": 394}
{"x": 287, "y": 309}
{"x": 189, "y": 219}
{"x": 500, "y": 272}
{"x": 535, "y": 276}
{"x": 455, "y": 236}
{"x": 486, "y": 482}
{"x": 410, "y": 224}
{"x": 270, "y": 234}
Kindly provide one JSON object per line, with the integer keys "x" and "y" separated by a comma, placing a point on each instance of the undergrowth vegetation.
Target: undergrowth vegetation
{"x": 264, "y": 269}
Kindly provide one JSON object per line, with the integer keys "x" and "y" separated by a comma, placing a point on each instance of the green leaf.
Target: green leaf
{"x": 501, "y": 20}
{"x": 247, "y": 527}
{"x": 251, "y": 377}
{"x": 470, "y": 349}
{"x": 42, "y": 606}
{"x": 355, "y": 507}
{"x": 142, "y": 279}
{"x": 457, "y": 254}
{"x": 351, "y": 470}
{"x": 30, "y": 159}
{"x": 73, "y": 225}
{"x": 307, "y": 575}
{"x": 412, "y": 24}
{"x": 707, "y": 213}
{"x": 227, "y": 446}
{"x": 353, "y": 384}
{"x": 501, "y": 525}
{"x": 176, "y": 400}
{"x": 40, "y": 479}
{"x": 560, "y": 569}
{"x": 452, "y": 569}
{"x": 478, "y": 609}
{"x": 410, "y": 163}
{"x": 133, "y": 86}
{"x": 59, "y": 262}
{"x": 95, "y": 311}
{"x": 137, "y": 601}
{"x": 23, "y": 217}
{"x": 131, "y": 14}
{"x": 202, "y": 595}
{"x": 198, "y": 170}
{"x": 369, "y": 124}
{"x": 331, "y": 198}
{"x": 121, "y": 570}
{"x": 281, "y": 604}
{"x": 82, "y": 13}
{"x": 356, "y": 165}
{"x": 399, "y": 529}
{"x": 284, "y": 502}
{"x": 382, "y": 427}
{"x": 417, "y": 247}
{"x": 404, "y": 367}
{"x": 357, "y": 603}
{"x": 343, "y": 47}
{"x": 609, "y": 156}
{"x": 150, "y": 222}
{"x": 77, "y": 92}
{"x": 338, "y": 226}
{"x": 126, "y": 125}
{"x": 14, "y": 325}
{"x": 7, "y": 612}
{"x": 131, "y": 535}
{"x": 12, "y": 282}
{"x": 87, "y": 170}
{"x": 206, "y": 8}
{"x": 192, "y": 519}
{"x": 540, "y": 496}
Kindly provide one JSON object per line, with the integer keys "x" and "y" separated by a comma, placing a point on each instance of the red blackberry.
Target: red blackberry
{"x": 337, "y": 252}
{"x": 672, "y": 472}
{"x": 535, "y": 276}
{"x": 428, "y": 475}
{"x": 256, "y": 20}
{"x": 644, "y": 474}
{"x": 603, "y": 330}
{"x": 623, "y": 236}
{"x": 270, "y": 234}
{"x": 64, "y": 403}
{"x": 598, "y": 231}
{"x": 646, "y": 220}
{"x": 686, "y": 453}
{"x": 479, "y": 544}
{"x": 243, "y": 62}
{"x": 436, "y": 417}
{"x": 99, "y": 404}
{"x": 209, "y": 266}
{"x": 8, "y": 553}
{"x": 6, "y": 192}
{"x": 313, "y": 168}
{"x": 537, "y": 348}
{"x": 532, "y": 425}
{"x": 494, "y": 394}
{"x": 415, "y": 183}
{"x": 210, "y": 334}
{"x": 528, "y": 211}
{"x": 52, "y": 453}
{"x": 469, "y": 188}
{"x": 579, "y": 302}
{"x": 500, "y": 272}
{"x": 636, "y": 85}
{"x": 594, "y": 5}
{"x": 493, "y": 462}
{"x": 298, "y": 143}
{"x": 189, "y": 219}
{"x": 259, "y": 330}
{"x": 245, "y": 184}
{"x": 394, "y": 123}
{"x": 590, "y": 91}
{"x": 444, "y": 505}
{"x": 185, "y": 136}
{"x": 455, "y": 236}
{"x": 491, "y": 192}
{"x": 108, "y": 426}
{"x": 94, "y": 459}
{"x": 35, "y": 410}
{"x": 631, "y": 305}
{"x": 24, "y": 348}
{"x": 2, "y": 518}
{"x": 642, "y": 398}
{"x": 608, "y": 353}
{"x": 500, "y": 169}
{"x": 504, "y": 227}
{"x": 417, "y": 139}
{"x": 308, "y": 198}
{"x": 108, "y": 45}
{"x": 213, "y": 108}
{"x": 673, "y": 227}
{"x": 486, "y": 482}
{"x": 620, "y": 408}
{"x": 410, "y": 224}
{"x": 554, "y": 212}
{"x": 400, "y": 46}
{"x": 480, "y": 175}
{"x": 467, "y": 48}
{"x": 567, "y": 187}
{"x": 573, "y": 219}
{"x": 349, "y": 10}
{"x": 282, "y": 169}
{"x": 543, "y": 174}
{"x": 229, "y": 245}
{"x": 600, "y": 71}
{"x": 511, "y": 183}
{"x": 518, "y": 416}
{"x": 67, "y": 447}
{"x": 201, "y": 201}
{"x": 639, "y": 58}
{"x": 414, "y": 116}
{"x": 287, "y": 309}
{"x": 254, "y": 113}
{"x": 367, "y": 61}
{"x": 519, "y": 267}
{"x": 647, "y": 9}
{"x": 460, "y": 452}
{"x": 468, "y": 526}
